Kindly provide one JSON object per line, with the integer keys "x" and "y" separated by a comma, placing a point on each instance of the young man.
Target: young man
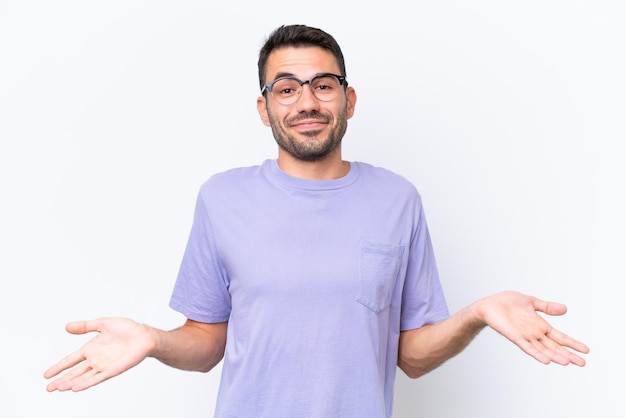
{"x": 313, "y": 277}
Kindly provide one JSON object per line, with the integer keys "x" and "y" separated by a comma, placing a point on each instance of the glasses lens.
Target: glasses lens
{"x": 325, "y": 87}
{"x": 286, "y": 90}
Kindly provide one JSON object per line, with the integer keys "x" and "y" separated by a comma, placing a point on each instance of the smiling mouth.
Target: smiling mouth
{"x": 314, "y": 125}
{"x": 308, "y": 119}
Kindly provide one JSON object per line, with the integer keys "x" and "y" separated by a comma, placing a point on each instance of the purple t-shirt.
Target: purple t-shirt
{"x": 316, "y": 280}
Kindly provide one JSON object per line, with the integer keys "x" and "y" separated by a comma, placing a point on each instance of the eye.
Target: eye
{"x": 323, "y": 87}
{"x": 325, "y": 84}
{"x": 286, "y": 87}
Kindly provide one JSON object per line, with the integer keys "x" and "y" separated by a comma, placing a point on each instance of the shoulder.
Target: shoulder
{"x": 234, "y": 177}
{"x": 385, "y": 179}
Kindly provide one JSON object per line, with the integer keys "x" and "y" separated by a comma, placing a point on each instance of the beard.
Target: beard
{"x": 311, "y": 148}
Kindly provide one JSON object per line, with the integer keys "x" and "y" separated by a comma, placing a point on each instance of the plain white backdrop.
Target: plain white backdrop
{"x": 508, "y": 116}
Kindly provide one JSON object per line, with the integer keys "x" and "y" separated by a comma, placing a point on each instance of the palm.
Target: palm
{"x": 119, "y": 345}
{"x": 514, "y": 315}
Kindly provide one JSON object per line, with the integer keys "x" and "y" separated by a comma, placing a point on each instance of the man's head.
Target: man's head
{"x": 305, "y": 98}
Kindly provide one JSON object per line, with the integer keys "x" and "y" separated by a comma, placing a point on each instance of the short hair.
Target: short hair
{"x": 298, "y": 36}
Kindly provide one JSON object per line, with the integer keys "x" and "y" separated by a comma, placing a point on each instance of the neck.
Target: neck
{"x": 330, "y": 168}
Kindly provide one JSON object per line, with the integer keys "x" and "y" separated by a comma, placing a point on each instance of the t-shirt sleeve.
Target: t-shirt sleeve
{"x": 201, "y": 289}
{"x": 423, "y": 300}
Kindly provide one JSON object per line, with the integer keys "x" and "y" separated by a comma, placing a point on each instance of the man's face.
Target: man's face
{"x": 309, "y": 129}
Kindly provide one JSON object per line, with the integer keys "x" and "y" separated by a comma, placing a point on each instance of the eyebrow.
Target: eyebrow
{"x": 286, "y": 74}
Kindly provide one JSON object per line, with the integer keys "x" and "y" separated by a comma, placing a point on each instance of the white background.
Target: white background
{"x": 508, "y": 116}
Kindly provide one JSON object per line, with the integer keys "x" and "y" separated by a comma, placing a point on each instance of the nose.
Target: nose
{"x": 307, "y": 100}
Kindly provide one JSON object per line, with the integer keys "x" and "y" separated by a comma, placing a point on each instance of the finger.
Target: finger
{"x": 90, "y": 379}
{"x": 64, "y": 382}
{"x": 550, "y": 308}
{"x": 562, "y": 356}
{"x": 82, "y": 327}
{"x": 574, "y": 358}
{"x": 533, "y": 349}
{"x": 546, "y": 350}
{"x": 567, "y": 341}
{"x": 555, "y": 352}
{"x": 564, "y": 342}
{"x": 81, "y": 381}
{"x": 539, "y": 352}
{"x": 64, "y": 364}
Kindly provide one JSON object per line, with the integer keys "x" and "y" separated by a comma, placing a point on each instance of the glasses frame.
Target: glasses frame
{"x": 270, "y": 86}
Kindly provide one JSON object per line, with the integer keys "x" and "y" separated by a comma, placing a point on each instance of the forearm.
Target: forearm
{"x": 423, "y": 350}
{"x": 194, "y": 346}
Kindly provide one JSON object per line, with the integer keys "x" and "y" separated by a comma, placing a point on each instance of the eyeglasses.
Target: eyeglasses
{"x": 287, "y": 90}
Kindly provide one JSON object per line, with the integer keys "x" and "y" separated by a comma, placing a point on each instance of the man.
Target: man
{"x": 313, "y": 277}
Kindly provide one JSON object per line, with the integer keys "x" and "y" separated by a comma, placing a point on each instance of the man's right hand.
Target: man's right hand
{"x": 120, "y": 344}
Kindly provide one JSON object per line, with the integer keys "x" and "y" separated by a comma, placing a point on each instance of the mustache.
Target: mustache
{"x": 308, "y": 116}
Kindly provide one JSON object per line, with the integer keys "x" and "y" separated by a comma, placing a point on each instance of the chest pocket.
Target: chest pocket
{"x": 379, "y": 267}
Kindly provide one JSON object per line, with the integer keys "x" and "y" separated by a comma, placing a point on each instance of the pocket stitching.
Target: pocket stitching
{"x": 378, "y": 300}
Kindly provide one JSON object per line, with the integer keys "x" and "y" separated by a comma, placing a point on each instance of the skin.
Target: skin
{"x": 121, "y": 343}
{"x": 309, "y": 131}
{"x": 512, "y": 314}
{"x": 308, "y": 134}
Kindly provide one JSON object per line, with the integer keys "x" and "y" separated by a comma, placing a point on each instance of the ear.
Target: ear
{"x": 351, "y": 99}
{"x": 261, "y": 107}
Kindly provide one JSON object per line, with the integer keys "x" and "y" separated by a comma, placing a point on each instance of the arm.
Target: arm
{"x": 512, "y": 314}
{"x": 122, "y": 343}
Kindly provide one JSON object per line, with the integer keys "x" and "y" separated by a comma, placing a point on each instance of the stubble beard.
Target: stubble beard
{"x": 312, "y": 148}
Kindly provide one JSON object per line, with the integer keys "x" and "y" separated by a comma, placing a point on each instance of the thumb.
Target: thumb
{"x": 550, "y": 308}
{"x": 82, "y": 327}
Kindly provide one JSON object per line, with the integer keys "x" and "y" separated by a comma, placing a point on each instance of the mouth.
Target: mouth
{"x": 308, "y": 125}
